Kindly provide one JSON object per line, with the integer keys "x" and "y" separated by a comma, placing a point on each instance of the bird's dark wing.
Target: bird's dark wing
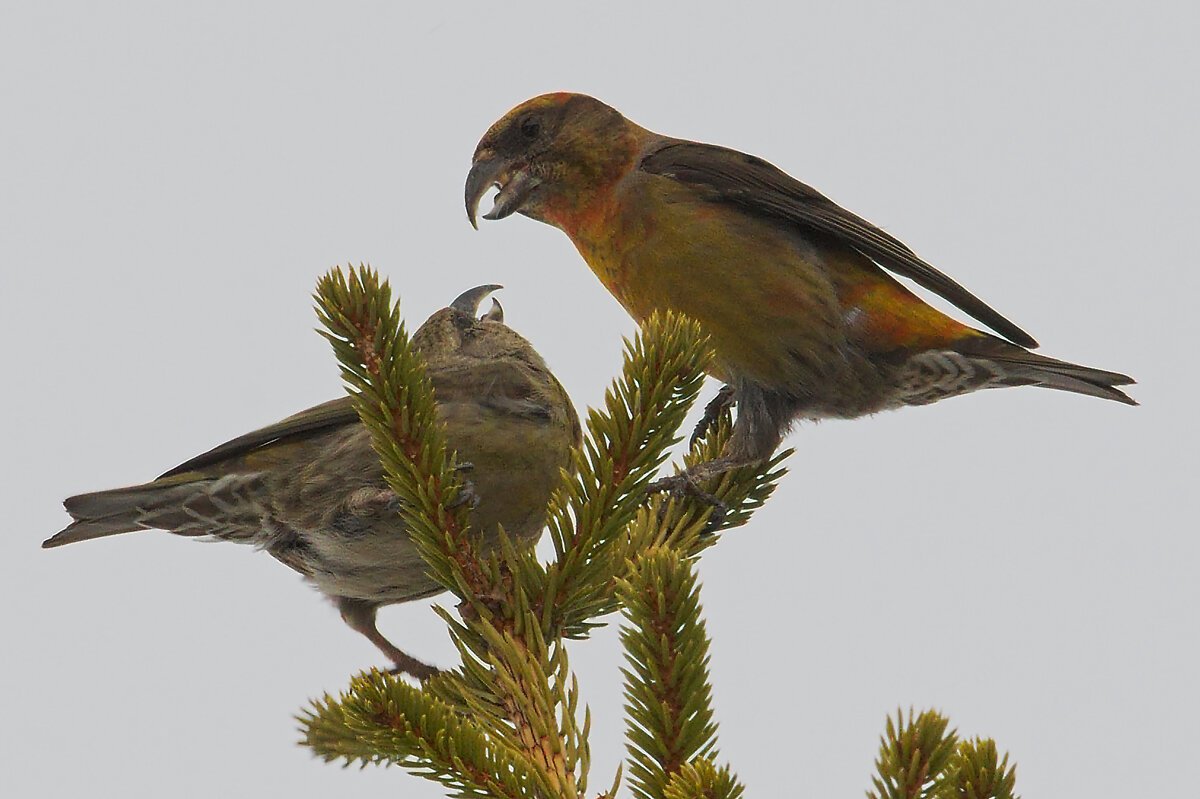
{"x": 761, "y": 188}
{"x": 506, "y": 385}
{"x": 334, "y": 413}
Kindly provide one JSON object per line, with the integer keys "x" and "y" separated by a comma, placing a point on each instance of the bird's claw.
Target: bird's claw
{"x": 685, "y": 485}
{"x": 712, "y": 414}
{"x": 466, "y": 496}
{"x": 466, "y": 491}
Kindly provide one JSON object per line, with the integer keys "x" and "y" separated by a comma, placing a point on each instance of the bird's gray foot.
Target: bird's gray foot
{"x": 712, "y": 413}
{"x": 466, "y": 496}
{"x": 687, "y": 484}
{"x": 466, "y": 492}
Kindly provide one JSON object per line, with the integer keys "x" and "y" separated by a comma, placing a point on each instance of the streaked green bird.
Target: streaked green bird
{"x": 310, "y": 489}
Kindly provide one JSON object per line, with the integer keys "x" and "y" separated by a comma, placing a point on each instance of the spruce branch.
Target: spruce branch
{"x": 535, "y": 689}
{"x": 700, "y": 779}
{"x": 918, "y": 757}
{"x": 514, "y": 683}
{"x": 980, "y": 772}
{"x": 626, "y": 442}
{"x": 381, "y": 719}
{"x": 915, "y": 758}
{"x": 668, "y": 700}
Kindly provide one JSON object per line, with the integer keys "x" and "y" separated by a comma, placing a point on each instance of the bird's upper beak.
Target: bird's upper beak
{"x": 514, "y": 181}
{"x": 468, "y": 302}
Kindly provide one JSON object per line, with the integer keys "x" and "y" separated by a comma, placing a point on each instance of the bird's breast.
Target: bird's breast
{"x": 759, "y": 291}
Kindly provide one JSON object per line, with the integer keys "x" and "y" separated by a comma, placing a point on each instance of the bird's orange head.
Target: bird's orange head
{"x": 550, "y": 156}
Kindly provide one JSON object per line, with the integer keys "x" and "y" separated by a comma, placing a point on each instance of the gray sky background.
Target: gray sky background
{"x": 174, "y": 177}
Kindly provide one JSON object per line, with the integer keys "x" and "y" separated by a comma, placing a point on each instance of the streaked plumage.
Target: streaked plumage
{"x": 310, "y": 490}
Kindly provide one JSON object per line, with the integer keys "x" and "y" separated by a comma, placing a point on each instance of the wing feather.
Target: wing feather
{"x": 757, "y": 186}
{"x": 327, "y": 415}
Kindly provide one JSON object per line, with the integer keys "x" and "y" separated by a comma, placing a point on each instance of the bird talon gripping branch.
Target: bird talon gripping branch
{"x": 467, "y": 495}
{"x": 686, "y": 485}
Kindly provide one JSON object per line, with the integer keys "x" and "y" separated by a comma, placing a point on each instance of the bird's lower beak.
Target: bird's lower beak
{"x": 515, "y": 184}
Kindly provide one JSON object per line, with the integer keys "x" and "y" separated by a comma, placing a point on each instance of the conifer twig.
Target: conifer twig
{"x": 668, "y": 699}
{"x": 980, "y": 772}
{"x": 915, "y": 756}
{"x": 381, "y": 719}
{"x": 700, "y": 779}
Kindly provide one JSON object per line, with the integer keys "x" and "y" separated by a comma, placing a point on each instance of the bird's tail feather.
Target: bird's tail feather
{"x": 1022, "y": 367}
{"x": 87, "y": 529}
{"x": 104, "y": 513}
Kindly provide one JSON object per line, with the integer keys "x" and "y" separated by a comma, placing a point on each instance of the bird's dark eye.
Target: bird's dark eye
{"x": 530, "y": 127}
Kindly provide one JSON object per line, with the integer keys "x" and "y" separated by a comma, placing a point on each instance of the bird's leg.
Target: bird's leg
{"x": 687, "y": 484}
{"x": 712, "y": 412}
{"x": 762, "y": 418}
{"x": 360, "y": 615}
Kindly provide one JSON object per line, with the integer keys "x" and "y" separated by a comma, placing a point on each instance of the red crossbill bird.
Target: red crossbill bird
{"x": 310, "y": 489}
{"x": 793, "y": 290}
